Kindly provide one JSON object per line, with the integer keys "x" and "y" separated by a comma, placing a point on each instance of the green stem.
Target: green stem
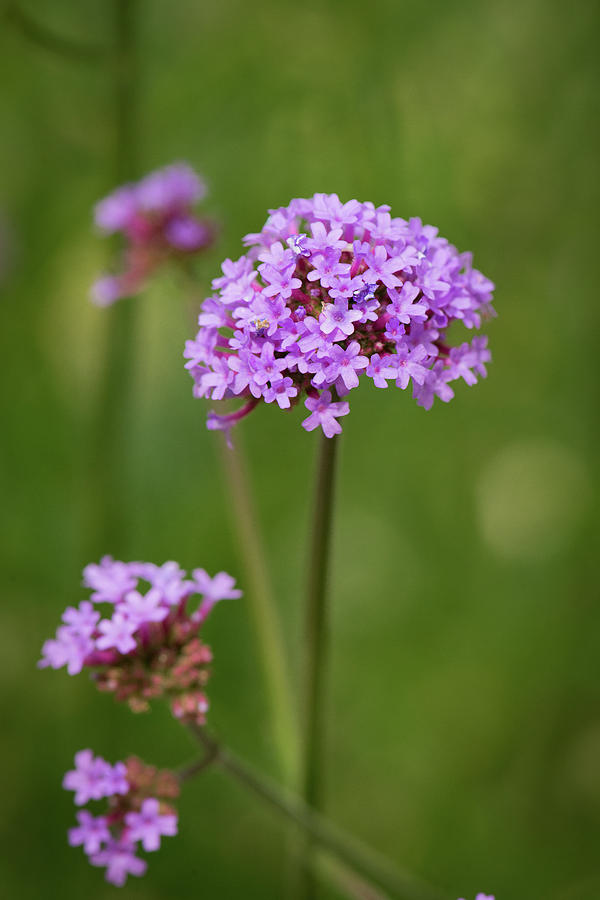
{"x": 114, "y": 401}
{"x": 258, "y": 593}
{"x": 316, "y": 634}
{"x": 125, "y": 72}
{"x": 263, "y": 609}
{"x": 345, "y": 848}
{"x": 41, "y": 36}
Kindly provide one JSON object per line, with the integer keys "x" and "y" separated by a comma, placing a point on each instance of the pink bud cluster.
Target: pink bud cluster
{"x": 149, "y": 646}
{"x": 138, "y": 812}
{"x": 156, "y": 218}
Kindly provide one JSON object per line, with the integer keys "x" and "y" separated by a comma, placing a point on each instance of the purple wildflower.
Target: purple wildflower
{"x": 91, "y": 778}
{"x": 91, "y": 832}
{"x": 109, "y": 580}
{"x": 381, "y": 267}
{"x": 468, "y": 357}
{"x": 394, "y": 330}
{"x": 324, "y": 240}
{"x": 325, "y": 413}
{"x": 410, "y": 365}
{"x": 338, "y": 317}
{"x": 328, "y": 270}
{"x": 169, "y": 580}
{"x": 156, "y": 218}
{"x": 148, "y": 825}
{"x": 268, "y": 368}
{"x": 281, "y": 390}
{"x": 379, "y": 369}
{"x": 403, "y": 306}
{"x": 81, "y": 621}
{"x": 120, "y": 861}
{"x": 117, "y": 632}
{"x": 67, "y": 649}
{"x": 115, "y": 779}
{"x": 221, "y": 587}
{"x": 434, "y": 385}
{"x": 138, "y": 809}
{"x": 344, "y": 364}
{"x": 147, "y": 645}
{"x": 323, "y": 276}
{"x": 279, "y": 283}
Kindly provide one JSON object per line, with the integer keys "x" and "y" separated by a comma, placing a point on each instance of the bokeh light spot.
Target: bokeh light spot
{"x": 531, "y": 496}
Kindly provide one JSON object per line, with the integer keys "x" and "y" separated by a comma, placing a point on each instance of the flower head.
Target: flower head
{"x": 147, "y": 645}
{"x": 156, "y": 218}
{"x": 330, "y": 292}
{"x": 139, "y": 810}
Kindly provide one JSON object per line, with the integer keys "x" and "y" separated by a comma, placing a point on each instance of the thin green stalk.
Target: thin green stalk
{"x": 114, "y": 400}
{"x": 263, "y": 608}
{"x": 345, "y": 848}
{"x": 112, "y": 407}
{"x": 125, "y": 88}
{"x": 316, "y": 637}
{"x": 258, "y": 590}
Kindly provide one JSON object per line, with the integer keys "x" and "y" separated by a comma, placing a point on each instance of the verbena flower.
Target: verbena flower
{"x": 157, "y": 220}
{"x": 138, "y": 810}
{"x": 140, "y": 635}
{"x": 330, "y": 292}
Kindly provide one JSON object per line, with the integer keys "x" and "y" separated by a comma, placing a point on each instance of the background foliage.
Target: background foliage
{"x": 464, "y": 725}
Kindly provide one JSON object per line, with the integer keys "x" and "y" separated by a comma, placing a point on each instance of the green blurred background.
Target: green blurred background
{"x": 464, "y": 719}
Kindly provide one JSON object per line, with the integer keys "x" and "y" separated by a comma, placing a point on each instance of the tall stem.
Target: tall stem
{"x": 125, "y": 87}
{"x": 316, "y": 636}
{"x": 114, "y": 400}
{"x": 263, "y": 609}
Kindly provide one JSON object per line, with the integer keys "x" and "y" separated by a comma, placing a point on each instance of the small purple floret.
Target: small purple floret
{"x": 325, "y": 413}
{"x": 148, "y": 825}
{"x": 120, "y": 861}
{"x": 91, "y": 832}
{"x": 93, "y": 778}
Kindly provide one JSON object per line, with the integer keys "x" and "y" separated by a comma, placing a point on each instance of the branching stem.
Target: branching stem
{"x": 361, "y": 859}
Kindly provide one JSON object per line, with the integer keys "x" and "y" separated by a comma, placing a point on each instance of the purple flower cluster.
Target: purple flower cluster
{"x": 484, "y": 897}
{"x": 332, "y": 291}
{"x": 111, "y": 840}
{"x": 149, "y": 645}
{"x": 156, "y": 218}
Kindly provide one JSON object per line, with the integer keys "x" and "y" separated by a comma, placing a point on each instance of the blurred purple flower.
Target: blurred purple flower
{"x": 158, "y": 223}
